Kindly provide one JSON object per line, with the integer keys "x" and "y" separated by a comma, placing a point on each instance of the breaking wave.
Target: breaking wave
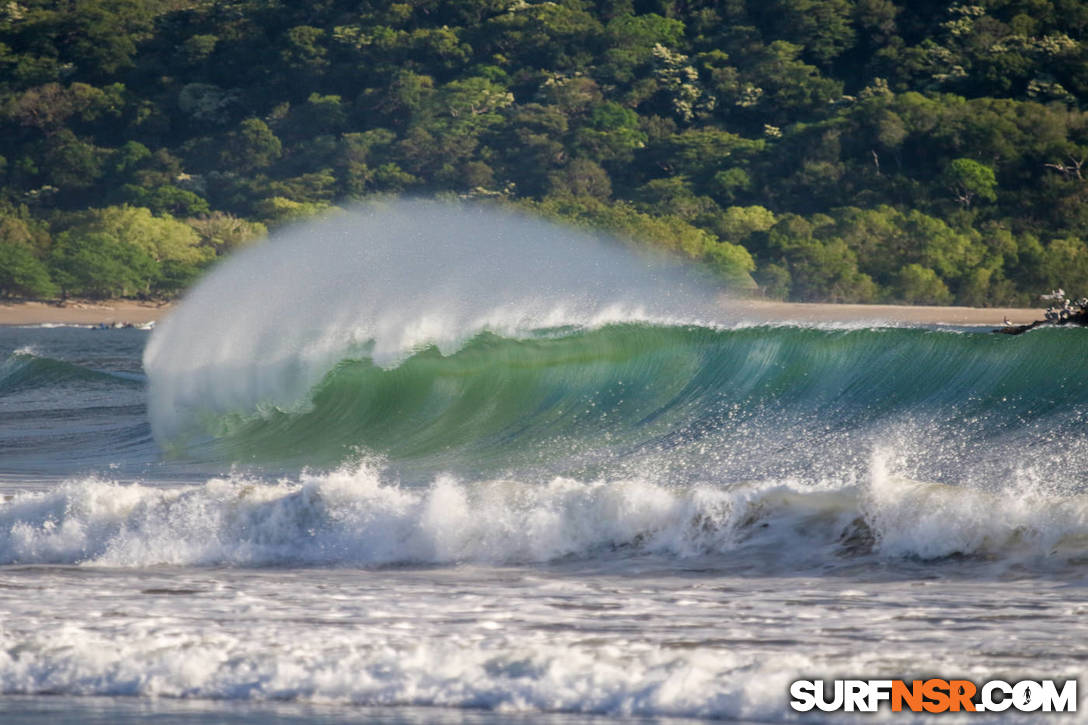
{"x": 383, "y": 282}
{"x": 352, "y": 517}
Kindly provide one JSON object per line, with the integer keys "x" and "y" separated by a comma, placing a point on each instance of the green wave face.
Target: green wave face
{"x": 693, "y": 400}
{"x": 493, "y": 398}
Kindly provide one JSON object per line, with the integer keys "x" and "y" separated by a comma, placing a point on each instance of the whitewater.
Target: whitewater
{"x": 423, "y": 462}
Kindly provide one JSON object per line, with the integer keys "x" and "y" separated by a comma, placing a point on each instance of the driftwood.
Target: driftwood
{"x": 1076, "y": 319}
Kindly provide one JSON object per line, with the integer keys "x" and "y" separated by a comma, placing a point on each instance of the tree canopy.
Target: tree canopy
{"x": 850, "y": 150}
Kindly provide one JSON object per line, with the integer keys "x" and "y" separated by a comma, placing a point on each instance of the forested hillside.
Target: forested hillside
{"x": 842, "y": 150}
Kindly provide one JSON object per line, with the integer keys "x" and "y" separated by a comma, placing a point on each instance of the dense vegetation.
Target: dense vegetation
{"x": 845, "y": 150}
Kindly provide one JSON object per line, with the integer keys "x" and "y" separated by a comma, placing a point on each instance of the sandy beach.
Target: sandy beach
{"x": 763, "y": 310}
{"x": 81, "y": 312}
{"x": 87, "y": 312}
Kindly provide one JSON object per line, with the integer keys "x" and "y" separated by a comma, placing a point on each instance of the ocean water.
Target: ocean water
{"x": 385, "y": 486}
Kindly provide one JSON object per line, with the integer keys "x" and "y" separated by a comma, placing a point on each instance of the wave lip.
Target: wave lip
{"x": 462, "y": 339}
{"x": 350, "y": 517}
{"x": 565, "y": 400}
{"x": 381, "y": 282}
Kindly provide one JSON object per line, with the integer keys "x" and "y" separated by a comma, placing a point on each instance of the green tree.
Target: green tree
{"x": 732, "y": 262}
{"x": 198, "y": 48}
{"x": 472, "y": 104}
{"x": 738, "y": 223}
{"x": 167, "y": 199}
{"x": 278, "y": 210}
{"x": 921, "y": 285}
{"x": 71, "y": 162}
{"x": 885, "y": 126}
{"x": 161, "y": 238}
{"x": 97, "y": 264}
{"x": 22, "y": 274}
{"x": 223, "y": 233}
{"x": 774, "y": 280}
{"x": 303, "y": 49}
{"x": 818, "y": 269}
{"x": 969, "y": 180}
{"x": 252, "y": 146}
{"x": 581, "y": 177}
{"x": 822, "y": 27}
{"x": 611, "y": 133}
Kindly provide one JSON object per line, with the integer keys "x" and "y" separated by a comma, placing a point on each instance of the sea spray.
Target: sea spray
{"x": 381, "y": 281}
{"x": 355, "y": 516}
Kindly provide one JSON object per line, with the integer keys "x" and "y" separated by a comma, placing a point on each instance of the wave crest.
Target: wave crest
{"x": 351, "y": 517}
{"x": 384, "y": 281}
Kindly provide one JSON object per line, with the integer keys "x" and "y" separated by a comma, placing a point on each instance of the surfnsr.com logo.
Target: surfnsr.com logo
{"x": 934, "y": 695}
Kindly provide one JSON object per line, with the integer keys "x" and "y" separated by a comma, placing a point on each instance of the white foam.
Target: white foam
{"x": 353, "y": 517}
{"x": 930, "y": 520}
{"x": 620, "y": 631}
{"x": 498, "y": 671}
{"x": 55, "y": 325}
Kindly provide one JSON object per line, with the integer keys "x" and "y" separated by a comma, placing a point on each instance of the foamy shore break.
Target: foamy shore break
{"x": 84, "y": 312}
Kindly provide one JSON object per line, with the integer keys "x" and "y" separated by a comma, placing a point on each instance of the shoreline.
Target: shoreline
{"x": 82, "y": 312}
{"x": 822, "y": 312}
{"x": 87, "y": 312}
